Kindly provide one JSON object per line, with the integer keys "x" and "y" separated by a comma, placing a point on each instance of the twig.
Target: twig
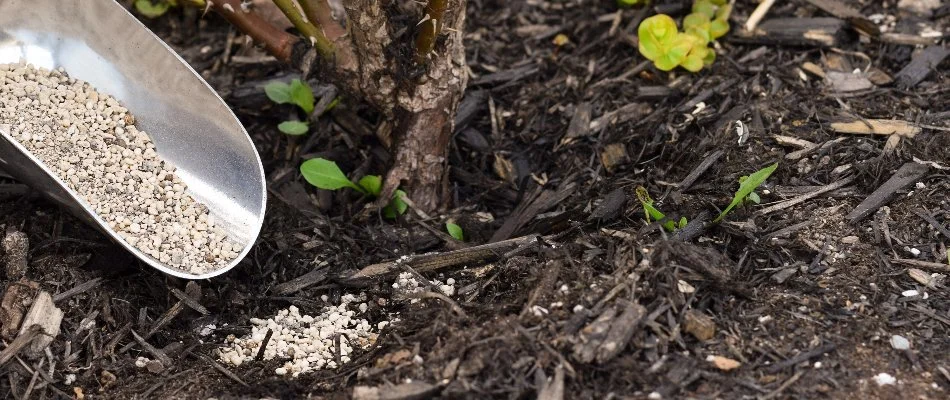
{"x": 758, "y": 14}
{"x": 320, "y": 14}
{"x": 784, "y": 386}
{"x": 436, "y": 295}
{"x": 223, "y": 370}
{"x": 922, "y": 264}
{"x": 805, "y": 197}
{"x": 260, "y": 352}
{"x": 306, "y": 28}
{"x": 278, "y": 43}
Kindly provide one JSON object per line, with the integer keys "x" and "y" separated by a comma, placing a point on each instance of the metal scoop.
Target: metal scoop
{"x": 99, "y": 42}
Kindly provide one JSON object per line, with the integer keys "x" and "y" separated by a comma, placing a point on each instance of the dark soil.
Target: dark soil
{"x": 803, "y": 298}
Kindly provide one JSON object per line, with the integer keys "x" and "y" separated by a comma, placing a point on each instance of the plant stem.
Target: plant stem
{"x": 429, "y": 30}
{"x": 278, "y": 43}
{"x": 307, "y": 29}
{"x": 320, "y": 14}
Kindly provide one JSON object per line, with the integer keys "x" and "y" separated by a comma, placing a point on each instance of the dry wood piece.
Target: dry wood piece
{"x": 623, "y": 114}
{"x": 920, "y": 66}
{"x": 907, "y": 174}
{"x": 700, "y": 325}
{"x": 758, "y": 14}
{"x": 301, "y": 282}
{"x": 688, "y": 181}
{"x": 844, "y": 11}
{"x": 922, "y": 264}
{"x": 553, "y": 389}
{"x": 895, "y": 129}
{"x": 590, "y": 338}
{"x": 406, "y": 391}
{"x": 821, "y": 32}
{"x": 44, "y": 314}
{"x": 847, "y": 82}
{"x": 16, "y": 299}
{"x": 16, "y": 247}
{"x": 621, "y": 330}
{"x": 580, "y": 124}
{"x": 614, "y": 154}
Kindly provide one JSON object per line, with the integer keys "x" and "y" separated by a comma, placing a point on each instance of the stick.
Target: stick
{"x": 758, "y": 14}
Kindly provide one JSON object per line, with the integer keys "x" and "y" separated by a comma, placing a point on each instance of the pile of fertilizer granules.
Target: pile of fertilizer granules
{"x": 90, "y": 141}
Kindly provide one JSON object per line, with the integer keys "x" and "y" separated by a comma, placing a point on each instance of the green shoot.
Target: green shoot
{"x": 150, "y": 9}
{"x": 296, "y": 93}
{"x": 455, "y": 231}
{"x": 325, "y": 174}
{"x": 662, "y": 43}
{"x": 631, "y": 3}
{"x": 747, "y": 186}
{"x": 652, "y": 213}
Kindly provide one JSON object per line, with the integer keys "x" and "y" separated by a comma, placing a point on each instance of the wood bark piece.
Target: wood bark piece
{"x": 840, "y": 9}
{"x": 700, "y": 325}
{"x": 44, "y": 314}
{"x": 920, "y": 66}
{"x": 907, "y": 174}
{"x": 707, "y": 162}
{"x": 621, "y": 330}
{"x": 554, "y": 388}
{"x": 16, "y": 248}
{"x": 405, "y": 391}
{"x": 528, "y": 209}
{"x": 810, "y": 32}
{"x": 591, "y": 336}
{"x": 432, "y": 262}
{"x": 16, "y": 300}
{"x": 623, "y": 114}
{"x": 580, "y": 124}
{"x": 301, "y": 282}
{"x": 847, "y": 82}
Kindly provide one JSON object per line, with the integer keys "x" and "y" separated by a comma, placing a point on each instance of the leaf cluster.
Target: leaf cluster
{"x": 325, "y": 174}
{"x": 663, "y": 43}
{"x": 296, "y": 93}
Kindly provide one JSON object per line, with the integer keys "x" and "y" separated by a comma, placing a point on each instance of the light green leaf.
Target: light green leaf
{"x": 278, "y": 92}
{"x": 325, "y": 174}
{"x": 655, "y": 35}
{"x": 748, "y": 186}
{"x": 151, "y": 9}
{"x": 455, "y": 231}
{"x": 372, "y": 183}
{"x": 683, "y": 222}
{"x": 302, "y": 96}
{"x": 705, "y": 7}
{"x": 718, "y": 28}
{"x": 396, "y": 207}
{"x": 630, "y": 3}
{"x": 697, "y": 24}
{"x": 293, "y": 128}
{"x": 652, "y": 212}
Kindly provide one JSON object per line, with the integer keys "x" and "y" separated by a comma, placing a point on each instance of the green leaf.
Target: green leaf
{"x": 748, "y": 186}
{"x": 718, "y": 28}
{"x": 293, "y": 128}
{"x": 652, "y": 212}
{"x": 149, "y": 9}
{"x": 754, "y": 197}
{"x": 302, "y": 96}
{"x": 655, "y": 35}
{"x": 396, "y": 206}
{"x": 325, "y": 174}
{"x": 455, "y": 231}
{"x": 372, "y": 183}
{"x": 278, "y": 92}
{"x": 630, "y": 3}
{"x": 697, "y": 24}
{"x": 683, "y": 222}
{"x": 705, "y": 7}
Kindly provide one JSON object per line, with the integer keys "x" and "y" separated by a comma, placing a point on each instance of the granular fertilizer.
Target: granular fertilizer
{"x": 90, "y": 141}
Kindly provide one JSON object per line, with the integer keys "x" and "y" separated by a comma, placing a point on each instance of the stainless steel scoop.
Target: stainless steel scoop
{"x": 98, "y": 41}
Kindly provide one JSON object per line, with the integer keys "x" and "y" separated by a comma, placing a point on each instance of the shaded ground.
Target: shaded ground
{"x": 803, "y": 298}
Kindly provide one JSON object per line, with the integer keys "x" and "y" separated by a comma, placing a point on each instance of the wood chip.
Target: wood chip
{"x": 723, "y": 363}
{"x": 820, "y": 32}
{"x": 16, "y": 248}
{"x": 44, "y": 314}
{"x": 847, "y": 82}
{"x": 923, "y": 277}
{"x": 621, "y": 330}
{"x": 907, "y": 174}
{"x": 16, "y": 299}
{"x": 613, "y": 156}
{"x": 580, "y": 124}
{"x": 920, "y": 66}
{"x": 700, "y": 325}
{"x": 876, "y": 127}
{"x": 553, "y": 388}
{"x": 405, "y": 391}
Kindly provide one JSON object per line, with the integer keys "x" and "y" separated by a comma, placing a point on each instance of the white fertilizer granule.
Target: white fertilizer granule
{"x": 307, "y": 342}
{"x": 90, "y": 141}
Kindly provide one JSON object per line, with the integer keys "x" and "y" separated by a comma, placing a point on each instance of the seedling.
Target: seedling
{"x": 455, "y": 231}
{"x": 653, "y": 213}
{"x": 296, "y": 93}
{"x": 662, "y": 42}
{"x": 747, "y": 186}
{"x": 157, "y": 8}
{"x": 325, "y": 174}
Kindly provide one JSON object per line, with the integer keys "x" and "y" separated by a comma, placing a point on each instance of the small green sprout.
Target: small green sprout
{"x": 631, "y": 3}
{"x": 157, "y": 8}
{"x": 150, "y": 9}
{"x": 296, "y": 93}
{"x": 325, "y": 174}
{"x": 662, "y": 43}
{"x": 747, "y": 187}
{"x": 653, "y": 213}
{"x": 455, "y": 231}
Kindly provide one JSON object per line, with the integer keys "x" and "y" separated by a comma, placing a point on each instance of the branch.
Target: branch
{"x": 432, "y": 25}
{"x": 308, "y": 29}
{"x": 278, "y": 43}
{"x": 320, "y": 14}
